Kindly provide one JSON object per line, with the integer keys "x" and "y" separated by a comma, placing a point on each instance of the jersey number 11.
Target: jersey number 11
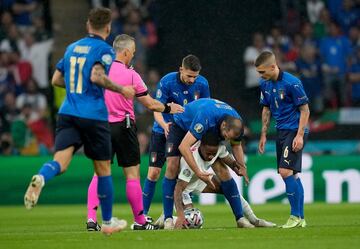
{"x": 76, "y": 64}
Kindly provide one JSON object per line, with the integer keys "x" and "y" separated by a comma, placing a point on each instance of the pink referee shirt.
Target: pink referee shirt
{"x": 117, "y": 104}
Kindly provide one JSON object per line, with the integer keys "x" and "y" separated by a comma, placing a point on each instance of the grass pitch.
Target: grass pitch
{"x": 63, "y": 226}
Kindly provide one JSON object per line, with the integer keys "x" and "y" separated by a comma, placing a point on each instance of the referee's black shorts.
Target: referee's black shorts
{"x": 125, "y": 144}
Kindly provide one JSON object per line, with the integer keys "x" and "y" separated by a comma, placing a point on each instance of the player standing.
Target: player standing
{"x": 283, "y": 97}
{"x": 182, "y": 88}
{"x": 123, "y": 131}
{"x": 82, "y": 118}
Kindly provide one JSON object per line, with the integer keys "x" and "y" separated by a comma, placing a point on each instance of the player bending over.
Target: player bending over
{"x": 210, "y": 154}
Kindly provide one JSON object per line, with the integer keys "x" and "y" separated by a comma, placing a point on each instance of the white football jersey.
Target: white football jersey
{"x": 186, "y": 174}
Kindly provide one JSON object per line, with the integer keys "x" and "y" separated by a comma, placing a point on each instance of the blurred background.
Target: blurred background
{"x": 317, "y": 40}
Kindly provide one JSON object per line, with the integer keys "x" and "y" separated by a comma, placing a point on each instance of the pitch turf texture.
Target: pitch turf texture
{"x": 63, "y": 226}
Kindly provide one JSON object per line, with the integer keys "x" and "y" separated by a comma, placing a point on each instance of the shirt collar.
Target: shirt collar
{"x": 280, "y": 76}
{"x": 95, "y": 37}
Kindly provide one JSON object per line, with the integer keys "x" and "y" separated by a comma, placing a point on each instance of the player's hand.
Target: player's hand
{"x": 262, "y": 143}
{"x": 206, "y": 177}
{"x": 175, "y": 108}
{"x": 297, "y": 143}
{"x": 179, "y": 222}
{"x": 242, "y": 171}
{"x": 97, "y": 74}
{"x": 167, "y": 128}
{"x": 128, "y": 92}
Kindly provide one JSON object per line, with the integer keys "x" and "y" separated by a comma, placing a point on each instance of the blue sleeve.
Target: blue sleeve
{"x": 298, "y": 94}
{"x": 106, "y": 57}
{"x": 263, "y": 100}
{"x": 199, "y": 125}
{"x": 162, "y": 92}
{"x": 205, "y": 93}
{"x": 60, "y": 66}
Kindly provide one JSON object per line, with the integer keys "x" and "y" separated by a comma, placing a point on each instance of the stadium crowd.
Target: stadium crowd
{"x": 319, "y": 41}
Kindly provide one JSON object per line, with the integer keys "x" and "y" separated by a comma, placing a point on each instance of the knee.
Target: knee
{"x": 154, "y": 174}
{"x": 284, "y": 173}
{"x": 172, "y": 168}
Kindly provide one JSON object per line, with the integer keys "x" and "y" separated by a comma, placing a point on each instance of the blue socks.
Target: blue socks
{"x": 49, "y": 170}
{"x": 148, "y": 194}
{"x": 292, "y": 191}
{"x": 301, "y": 198}
{"x": 232, "y": 195}
{"x": 105, "y": 194}
{"x": 168, "y": 188}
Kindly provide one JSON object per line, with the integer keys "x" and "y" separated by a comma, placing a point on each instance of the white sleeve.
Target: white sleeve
{"x": 223, "y": 152}
{"x": 185, "y": 172}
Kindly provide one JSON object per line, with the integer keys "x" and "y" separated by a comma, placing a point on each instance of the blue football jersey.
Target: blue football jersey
{"x": 204, "y": 115}
{"x": 171, "y": 89}
{"x": 83, "y": 98}
{"x": 284, "y": 97}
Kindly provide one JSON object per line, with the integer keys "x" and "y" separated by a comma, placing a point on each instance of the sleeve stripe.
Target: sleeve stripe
{"x": 142, "y": 94}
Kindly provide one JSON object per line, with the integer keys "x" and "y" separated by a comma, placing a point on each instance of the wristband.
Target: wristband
{"x": 167, "y": 108}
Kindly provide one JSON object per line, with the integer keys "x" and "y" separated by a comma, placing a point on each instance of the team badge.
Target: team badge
{"x": 153, "y": 157}
{"x": 107, "y": 59}
{"x": 169, "y": 147}
{"x": 199, "y": 128}
{"x": 282, "y": 94}
{"x": 158, "y": 94}
{"x": 186, "y": 172}
{"x": 196, "y": 95}
{"x": 185, "y": 102}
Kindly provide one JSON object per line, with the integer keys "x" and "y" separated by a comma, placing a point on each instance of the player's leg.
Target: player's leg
{"x": 67, "y": 140}
{"x": 287, "y": 160}
{"x": 97, "y": 146}
{"x": 129, "y": 158}
{"x": 301, "y": 202}
{"x": 92, "y": 205}
{"x": 176, "y": 134}
{"x": 229, "y": 188}
{"x": 156, "y": 162}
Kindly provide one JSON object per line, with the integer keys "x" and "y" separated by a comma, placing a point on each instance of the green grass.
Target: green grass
{"x": 63, "y": 226}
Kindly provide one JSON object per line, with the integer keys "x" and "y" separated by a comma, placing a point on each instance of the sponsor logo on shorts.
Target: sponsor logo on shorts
{"x": 169, "y": 147}
{"x": 153, "y": 157}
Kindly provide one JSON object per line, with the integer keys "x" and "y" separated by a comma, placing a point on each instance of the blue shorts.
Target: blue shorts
{"x": 286, "y": 157}
{"x": 93, "y": 134}
{"x": 157, "y": 150}
{"x": 176, "y": 135}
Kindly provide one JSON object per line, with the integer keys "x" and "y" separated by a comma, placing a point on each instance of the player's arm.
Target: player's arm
{"x": 238, "y": 167}
{"x": 58, "y": 79}
{"x": 160, "y": 120}
{"x": 184, "y": 148}
{"x": 179, "y": 206}
{"x": 99, "y": 77}
{"x": 157, "y": 106}
{"x": 265, "y": 120}
{"x": 298, "y": 141}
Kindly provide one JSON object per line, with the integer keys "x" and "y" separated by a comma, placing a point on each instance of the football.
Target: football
{"x": 193, "y": 218}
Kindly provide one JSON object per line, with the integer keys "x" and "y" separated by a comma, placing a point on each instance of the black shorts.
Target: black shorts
{"x": 125, "y": 144}
{"x": 157, "y": 150}
{"x": 286, "y": 157}
{"x": 93, "y": 134}
{"x": 176, "y": 135}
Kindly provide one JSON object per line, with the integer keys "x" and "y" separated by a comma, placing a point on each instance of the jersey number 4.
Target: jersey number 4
{"x": 76, "y": 64}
